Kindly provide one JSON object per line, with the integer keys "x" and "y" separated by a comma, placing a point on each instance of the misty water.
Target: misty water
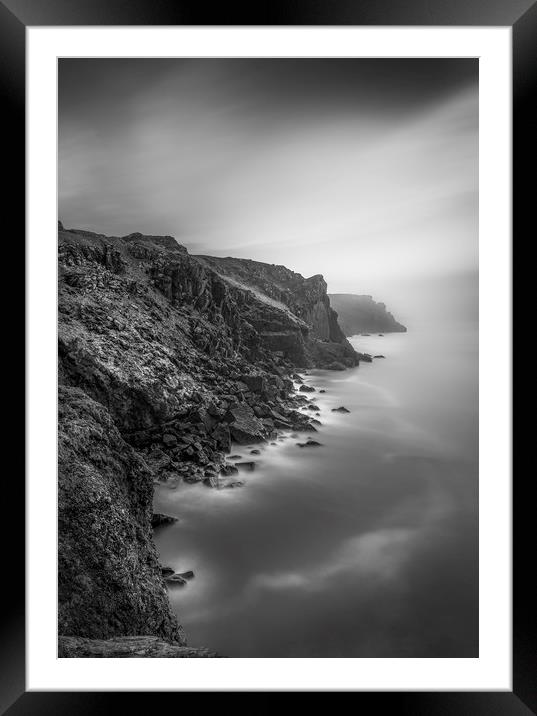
{"x": 364, "y": 547}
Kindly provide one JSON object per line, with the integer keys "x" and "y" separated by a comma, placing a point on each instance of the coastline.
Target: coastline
{"x": 164, "y": 360}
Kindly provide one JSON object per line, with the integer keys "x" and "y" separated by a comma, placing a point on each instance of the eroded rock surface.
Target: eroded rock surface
{"x": 165, "y": 359}
{"x": 134, "y": 647}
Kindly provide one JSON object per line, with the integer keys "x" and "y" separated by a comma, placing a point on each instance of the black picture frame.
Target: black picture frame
{"x": 15, "y": 17}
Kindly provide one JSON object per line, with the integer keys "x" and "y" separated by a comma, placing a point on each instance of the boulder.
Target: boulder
{"x": 176, "y": 580}
{"x": 228, "y": 470}
{"x": 307, "y": 389}
{"x": 222, "y": 436}
{"x": 254, "y": 383}
{"x": 159, "y": 519}
{"x": 309, "y": 443}
{"x": 246, "y": 466}
{"x": 245, "y": 428}
{"x": 341, "y": 409}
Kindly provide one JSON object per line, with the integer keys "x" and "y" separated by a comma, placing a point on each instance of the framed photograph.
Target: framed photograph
{"x": 269, "y": 329}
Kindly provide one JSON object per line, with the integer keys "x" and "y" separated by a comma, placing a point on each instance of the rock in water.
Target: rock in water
{"x": 341, "y": 409}
{"x": 309, "y": 443}
{"x": 248, "y": 466}
{"x": 159, "y": 519}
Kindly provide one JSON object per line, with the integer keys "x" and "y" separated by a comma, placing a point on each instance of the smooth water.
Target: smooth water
{"x": 364, "y": 547}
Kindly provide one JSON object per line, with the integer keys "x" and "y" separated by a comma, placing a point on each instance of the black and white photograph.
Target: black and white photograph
{"x": 268, "y": 357}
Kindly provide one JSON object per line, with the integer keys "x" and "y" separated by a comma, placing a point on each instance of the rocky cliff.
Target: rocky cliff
{"x": 361, "y": 314}
{"x": 164, "y": 360}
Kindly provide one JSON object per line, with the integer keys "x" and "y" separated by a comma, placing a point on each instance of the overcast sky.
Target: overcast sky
{"x": 362, "y": 170}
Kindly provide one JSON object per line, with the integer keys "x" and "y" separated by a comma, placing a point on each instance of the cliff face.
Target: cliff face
{"x": 360, "y": 314}
{"x": 305, "y": 298}
{"x": 164, "y": 359}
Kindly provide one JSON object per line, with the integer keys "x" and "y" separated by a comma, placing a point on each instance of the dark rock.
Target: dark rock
{"x": 255, "y": 383}
{"x": 248, "y": 466}
{"x": 167, "y": 571}
{"x": 322, "y": 391}
{"x": 255, "y": 452}
{"x": 169, "y": 440}
{"x": 222, "y": 437}
{"x": 109, "y": 577}
{"x": 341, "y": 409}
{"x": 307, "y": 389}
{"x": 245, "y": 428}
{"x": 228, "y": 470}
{"x": 309, "y": 443}
{"x": 176, "y": 580}
{"x": 187, "y": 575}
{"x": 234, "y": 457}
{"x": 162, "y": 358}
{"x": 379, "y": 356}
{"x": 128, "y": 647}
{"x": 230, "y": 484}
{"x": 336, "y": 365}
{"x": 159, "y": 519}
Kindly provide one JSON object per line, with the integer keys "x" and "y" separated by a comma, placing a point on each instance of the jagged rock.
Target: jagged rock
{"x": 109, "y": 576}
{"x": 341, "y": 409}
{"x": 175, "y": 580}
{"x": 159, "y": 519}
{"x": 230, "y": 484}
{"x": 336, "y": 365}
{"x": 309, "y": 443}
{"x": 365, "y": 357}
{"x": 128, "y": 647}
{"x": 228, "y": 470}
{"x": 222, "y": 436}
{"x": 307, "y": 389}
{"x": 189, "y": 574}
{"x": 245, "y": 428}
{"x": 163, "y": 357}
{"x": 255, "y": 383}
{"x": 248, "y": 466}
{"x": 167, "y": 571}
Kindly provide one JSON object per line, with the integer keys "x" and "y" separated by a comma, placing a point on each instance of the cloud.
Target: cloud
{"x": 379, "y": 555}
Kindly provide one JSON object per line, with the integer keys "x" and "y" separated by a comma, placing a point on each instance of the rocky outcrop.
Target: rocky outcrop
{"x": 359, "y": 314}
{"x": 109, "y": 578}
{"x": 165, "y": 359}
{"x": 129, "y": 647}
{"x": 321, "y": 342}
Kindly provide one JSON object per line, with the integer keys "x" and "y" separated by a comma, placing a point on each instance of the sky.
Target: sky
{"x": 363, "y": 170}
